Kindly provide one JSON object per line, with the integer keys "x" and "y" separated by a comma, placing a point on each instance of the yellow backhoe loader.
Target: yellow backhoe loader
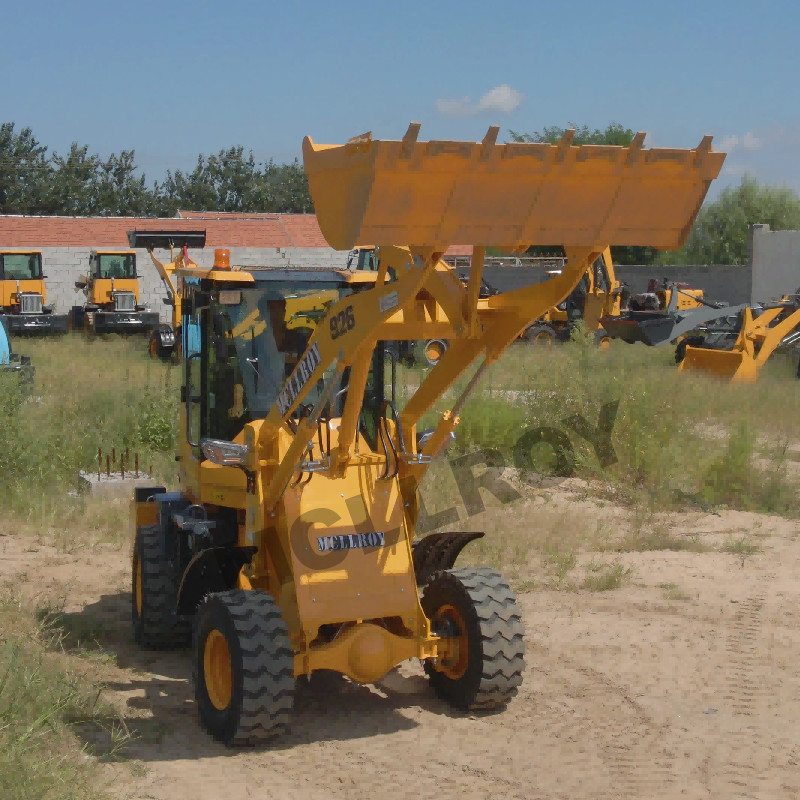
{"x": 112, "y": 296}
{"x": 598, "y": 294}
{"x": 23, "y": 297}
{"x": 165, "y": 340}
{"x": 290, "y": 545}
{"x": 738, "y": 348}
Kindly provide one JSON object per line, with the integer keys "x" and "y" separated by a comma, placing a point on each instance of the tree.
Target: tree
{"x": 614, "y": 134}
{"x": 120, "y": 191}
{"x": 75, "y": 189}
{"x": 231, "y": 181}
{"x": 24, "y": 171}
{"x": 720, "y": 234}
{"x": 81, "y": 184}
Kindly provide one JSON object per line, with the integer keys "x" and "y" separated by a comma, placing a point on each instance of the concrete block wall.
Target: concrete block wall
{"x": 62, "y": 266}
{"x": 728, "y": 282}
{"x": 775, "y": 262}
{"x": 733, "y": 283}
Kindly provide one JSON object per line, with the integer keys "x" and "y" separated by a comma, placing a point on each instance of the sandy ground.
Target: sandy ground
{"x": 681, "y": 684}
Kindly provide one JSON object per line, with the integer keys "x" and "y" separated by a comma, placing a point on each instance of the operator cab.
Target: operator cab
{"x": 113, "y": 265}
{"x": 241, "y": 341}
{"x": 21, "y": 266}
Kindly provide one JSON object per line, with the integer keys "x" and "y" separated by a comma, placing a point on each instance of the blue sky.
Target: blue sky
{"x": 175, "y": 79}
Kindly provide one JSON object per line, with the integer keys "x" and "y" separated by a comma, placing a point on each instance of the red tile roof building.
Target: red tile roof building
{"x": 223, "y": 229}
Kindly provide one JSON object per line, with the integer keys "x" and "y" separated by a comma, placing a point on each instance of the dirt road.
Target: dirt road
{"x": 681, "y": 684}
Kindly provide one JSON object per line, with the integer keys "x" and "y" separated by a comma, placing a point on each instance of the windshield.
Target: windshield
{"x": 21, "y": 266}
{"x": 264, "y": 335}
{"x": 116, "y": 265}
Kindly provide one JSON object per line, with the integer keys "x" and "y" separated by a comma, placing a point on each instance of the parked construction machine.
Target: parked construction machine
{"x": 112, "y": 296}
{"x": 23, "y": 297}
{"x": 165, "y": 340}
{"x": 290, "y": 545}
{"x": 738, "y": 346}
{"x": 598, "y": 294}
{"x": 667, "y": 312}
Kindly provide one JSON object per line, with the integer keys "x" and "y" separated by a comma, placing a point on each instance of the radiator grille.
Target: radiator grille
{"x": 30, "y": 303}
{"x": 124, "y": 301}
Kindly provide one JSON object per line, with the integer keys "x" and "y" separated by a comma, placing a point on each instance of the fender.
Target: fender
{"x": 211, "y": 570}
{"x": 438, "y": 551}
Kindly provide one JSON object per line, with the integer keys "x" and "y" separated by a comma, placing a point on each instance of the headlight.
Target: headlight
{"x": 224, "y": 453}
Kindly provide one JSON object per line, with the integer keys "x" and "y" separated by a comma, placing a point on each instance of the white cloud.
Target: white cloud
{"x": 751, "y": 142}
{"x": 771, "y": 154}
{"x": 756, "y": 140}
{"x": 458, "y": 107}
{"x": 503, "y": 99}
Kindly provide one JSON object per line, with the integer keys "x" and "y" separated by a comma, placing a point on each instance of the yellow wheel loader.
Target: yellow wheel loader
{"x": 23, "y": 297}
{"x": 112, "y": 296}
{"x": 290, "y": 544}
{"x": 165, "y": 340}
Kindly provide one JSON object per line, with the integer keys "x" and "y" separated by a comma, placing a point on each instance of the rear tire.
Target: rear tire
{"x": 477, "y": 608}
{"x": 156, "y": 625}
{"x": 540, "y": 335}
{"x": 243, "y": 667}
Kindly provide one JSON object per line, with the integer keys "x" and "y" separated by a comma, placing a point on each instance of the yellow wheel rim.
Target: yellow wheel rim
{"x": 153, "y": 348}
{"x": 604, "y": 343}
{"x": 543, "y": 338}
{"x": 217, "y": 670}
{"x": 454, "y": 650}
{"x": 138, "y": 587}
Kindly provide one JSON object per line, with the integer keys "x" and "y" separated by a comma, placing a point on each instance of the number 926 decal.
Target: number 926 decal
{"x": 342, "y": 322}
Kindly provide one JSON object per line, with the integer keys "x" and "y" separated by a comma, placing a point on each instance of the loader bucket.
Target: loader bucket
{"x": 440, "y": 193}
{"x": 653, "y": 329}
{"x": 729, "y": 365}
{"x": 150, "y": 240}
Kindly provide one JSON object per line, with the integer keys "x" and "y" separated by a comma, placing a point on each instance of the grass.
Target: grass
{"x": 740, "y": 547}
{"x": 605, "y": 577}
{"x": 45, "y": 701}
{"x": 86, "y": 395}
{"x": 676, "y": 439}
{"x": 673, "y": 592}
{"x": 648, "y": 533}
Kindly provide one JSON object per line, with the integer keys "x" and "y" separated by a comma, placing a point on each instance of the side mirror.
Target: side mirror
{"x": 168, "y": 301}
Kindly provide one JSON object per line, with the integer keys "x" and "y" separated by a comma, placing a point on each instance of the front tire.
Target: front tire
{"x": 243, "y": 667}
{"x": 477, "y": 611}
